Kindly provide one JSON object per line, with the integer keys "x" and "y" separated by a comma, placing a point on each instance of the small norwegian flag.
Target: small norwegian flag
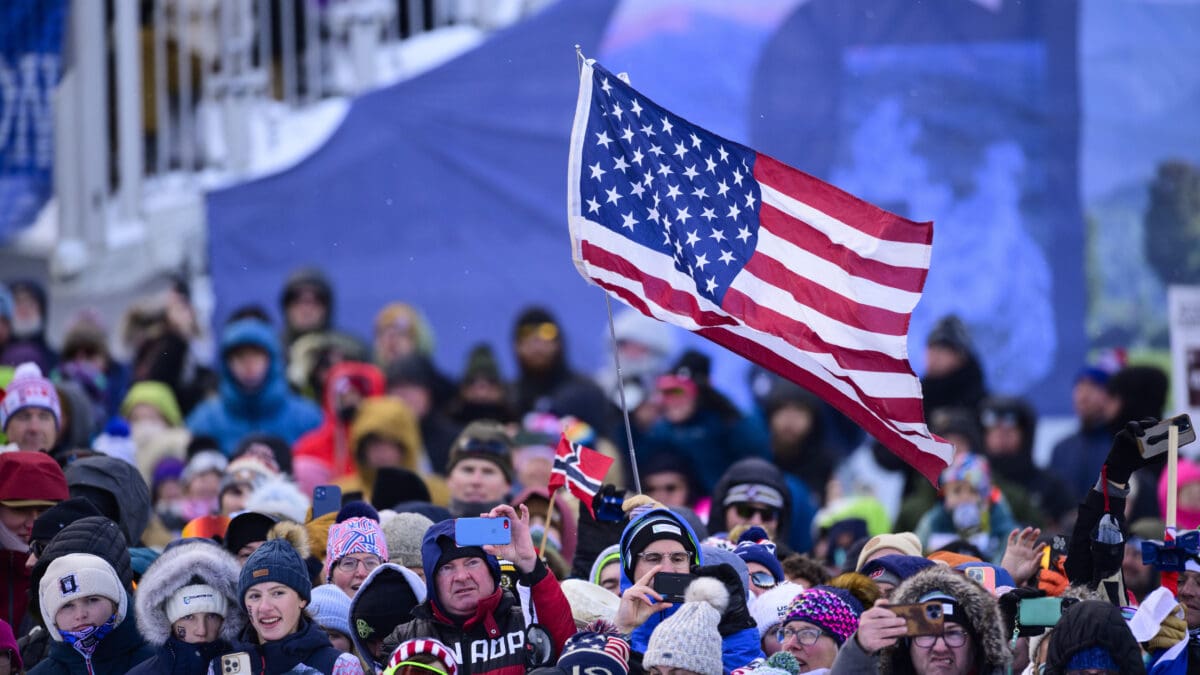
{"x": 581, "y": 469}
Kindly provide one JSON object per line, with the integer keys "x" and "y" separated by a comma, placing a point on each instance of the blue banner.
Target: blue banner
{"x": 31, "y": 36}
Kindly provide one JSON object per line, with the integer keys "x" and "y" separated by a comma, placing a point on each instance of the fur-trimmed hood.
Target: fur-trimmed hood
{"x": 179, "y": 566}
{"x": 981, "y": 611}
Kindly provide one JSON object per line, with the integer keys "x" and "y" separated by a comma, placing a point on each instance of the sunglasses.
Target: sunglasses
{"x": 763, "y": 580}
{"x": 768, "y": 513}
{"x": 546, "y": 331}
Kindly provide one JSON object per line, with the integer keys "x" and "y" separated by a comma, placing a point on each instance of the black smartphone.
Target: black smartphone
{"x": 610, "y": 507}
{"x": 672, "y": 586}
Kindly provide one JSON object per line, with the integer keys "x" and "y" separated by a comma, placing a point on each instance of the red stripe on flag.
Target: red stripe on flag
{"x": 833, "y": 305}
{"x": 836, "y": 203}
{"x": 802, "y": 235}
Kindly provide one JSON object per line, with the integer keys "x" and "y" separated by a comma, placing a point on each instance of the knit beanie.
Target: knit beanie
{"x": 76, "y": 576}
{"x": 755, "y": 546}
{"x": 833, "y": 610}
{"x": 29, "y": 389}
{"x": 905, "y": 543}
{"x": 768, "y": 609}
{"x": 689, "y": 638}
{"x": 487, "y": 440}
{"x": 156, "y": 395}
{"x": 205, "y": 461}
{"x": 651, "y": 527}
{"x": 356, "y": 535}
{"x": 246, "y": 528}
{"x": 31, "y": 479}
{"x": 394, "y": 485}
{"x": 404, "y": 532}
{"x": 408, "y": 649}
{"x": 280, "y": 560}
{"x": 598, "y": 649}
{"x": 611, "y": 554}
{"x": 330, "y": 608}
{"x": 356, "y": 509}
{"x": 894, "y": 569}
{"x": 970, "y": 468}
{"x": 193, "y": 599}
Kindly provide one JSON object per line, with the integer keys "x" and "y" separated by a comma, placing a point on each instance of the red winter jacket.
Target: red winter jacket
{"x": 322, "y": 444}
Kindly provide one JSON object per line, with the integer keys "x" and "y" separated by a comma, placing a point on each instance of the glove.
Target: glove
{"x": 1171, "y": 632}
{"x": 737, "y": 615}
{"x": 1010, "y": 603}
{"x": 1123, "y": 457}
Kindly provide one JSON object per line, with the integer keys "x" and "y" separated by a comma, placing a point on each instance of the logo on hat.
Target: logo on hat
{"x": 187, "y": 599}
{"x": 878, "y": 572}
{"x": 67, "y": 585}
{"x": 364, "y": 629}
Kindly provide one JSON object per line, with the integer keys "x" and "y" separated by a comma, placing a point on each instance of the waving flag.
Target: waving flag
{"x": 581, "y": 469}
{"x": 781, "y": 268}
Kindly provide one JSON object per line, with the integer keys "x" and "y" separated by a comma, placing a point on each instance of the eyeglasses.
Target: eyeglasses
{"x": 747, "y": 511}
{"x": 676, "y": 557}
{"x": 546, "y": 331}
{"x": 952, "y": 638}
{"x": 350, "y": 565}
{"x": 805, "y": 636}
{"x": 762, "y": 579}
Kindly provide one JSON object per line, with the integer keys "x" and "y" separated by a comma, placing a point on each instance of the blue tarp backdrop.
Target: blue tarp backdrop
{"x": 448, "y": 191}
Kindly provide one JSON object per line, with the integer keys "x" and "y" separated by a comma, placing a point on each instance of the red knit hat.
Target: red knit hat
{"x": 31, "y": 479}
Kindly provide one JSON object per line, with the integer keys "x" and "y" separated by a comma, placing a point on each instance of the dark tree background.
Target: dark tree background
{"x": 1173, "y": 223}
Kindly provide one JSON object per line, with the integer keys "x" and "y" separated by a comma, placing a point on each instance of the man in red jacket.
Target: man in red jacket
{"x": 470, "y": 613}
{"x": 30, "y": 483}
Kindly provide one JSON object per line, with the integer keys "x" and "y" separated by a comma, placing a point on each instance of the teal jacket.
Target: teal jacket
{"x": 271, "y": 408}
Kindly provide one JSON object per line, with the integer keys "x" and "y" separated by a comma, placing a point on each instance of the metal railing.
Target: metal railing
{"x": 188, "y": 76}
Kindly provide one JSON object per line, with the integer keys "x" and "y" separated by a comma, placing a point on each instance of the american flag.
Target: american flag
{"x": 769, "y": 262}
{"x": 581, "y": 469}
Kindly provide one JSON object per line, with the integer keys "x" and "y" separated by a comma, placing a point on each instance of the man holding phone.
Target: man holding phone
{"x": 468, "y": 610}
{"x": 964, "y": 637}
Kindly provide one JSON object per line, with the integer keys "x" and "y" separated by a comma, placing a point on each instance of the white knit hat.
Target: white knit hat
{"x": 29, "y": 389}
{"x": 689, "y": 638}
{"x": 76, "y": 576}
{"x": 768, "y": 609}
{"x": 194, "y": 599}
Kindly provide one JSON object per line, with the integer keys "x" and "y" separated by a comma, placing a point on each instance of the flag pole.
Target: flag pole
{"x": 546, "y": 525}
{"x": 612, "y": 331}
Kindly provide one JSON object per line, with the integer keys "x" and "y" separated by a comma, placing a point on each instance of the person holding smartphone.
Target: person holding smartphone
{"x": 655, "y": 541}
{"x": 274, "y": 590}
{"x": 971, "y": 640}
{"x": 466, "y": 608}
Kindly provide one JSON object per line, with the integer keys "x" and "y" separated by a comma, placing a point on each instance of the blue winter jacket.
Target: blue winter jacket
{"x": 271, "y": 408}
{"x": 737, "y": 650}
{"x": 118, "y": 653}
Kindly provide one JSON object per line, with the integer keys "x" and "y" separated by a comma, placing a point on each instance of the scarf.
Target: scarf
{"x": 87, "y": 640}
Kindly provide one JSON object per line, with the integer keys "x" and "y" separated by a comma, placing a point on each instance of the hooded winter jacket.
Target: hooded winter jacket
{"x": 754, "y": 470}
{"x": 184, "y": 564}
{"x": 388, "y": 417}
{"x": 329, "y": 443}
{"x": 369, "y": 585}
{"x": 1094, "y": 623}
{"x": 123, "y": 482}
{"x": 270, "y": 408}
{"x": 304, "y": 651}
{"x": 983, "y": 625}
{"x": 491, "y": 641}
{"x": 737, "y": 650}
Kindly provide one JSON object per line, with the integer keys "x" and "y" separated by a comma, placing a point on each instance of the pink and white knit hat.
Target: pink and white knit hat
{"x": 354, "y": 535}
{"x": 29, "y": 389}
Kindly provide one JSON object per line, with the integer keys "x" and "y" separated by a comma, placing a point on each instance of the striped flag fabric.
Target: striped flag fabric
{"x": 580, "y": 469}
{"x": 788, "y": 271}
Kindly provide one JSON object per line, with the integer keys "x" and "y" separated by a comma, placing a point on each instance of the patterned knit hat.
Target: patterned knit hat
{"x": 598, "y": 649}
{"x": 354, "y": 535}
{"x": 971, "y": 468}
{"x": 29, "y": 389}
{"x": 833, "y": 610}
{"x": 755, "y": 546}
{"x": 429, "y": 646}
{"x": 689, "y": 638}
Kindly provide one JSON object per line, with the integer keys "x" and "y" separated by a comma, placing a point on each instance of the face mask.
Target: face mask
{"x": 146, "y": 427}
{"x": 966, "y": 516}
{"x": 26, "y": 327}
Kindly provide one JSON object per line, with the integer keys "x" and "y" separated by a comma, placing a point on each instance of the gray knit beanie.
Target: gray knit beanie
{"x": 689, "y": 638}
{"x": 404, "y": 532}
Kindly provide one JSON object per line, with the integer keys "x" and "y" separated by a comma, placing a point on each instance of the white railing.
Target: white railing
{"x": 191, "y": 79}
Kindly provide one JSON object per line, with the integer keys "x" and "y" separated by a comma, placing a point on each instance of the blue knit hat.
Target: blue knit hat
{"x": 895, "y": 568}
{"x": 1094, "y": 658}
{"x": 279, "y": 560}
{"x": 755, "y": 546}
{"x": 330, "y": 608}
